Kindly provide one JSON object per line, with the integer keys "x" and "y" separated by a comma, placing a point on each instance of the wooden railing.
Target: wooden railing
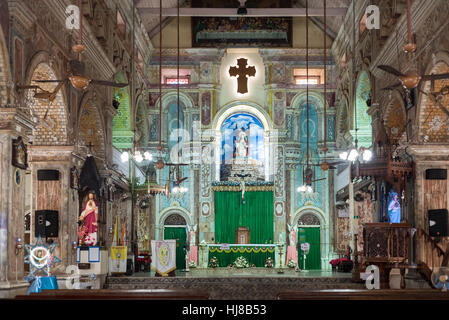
{"x": 386, "y": 242}
{"x": 435, "y": 253}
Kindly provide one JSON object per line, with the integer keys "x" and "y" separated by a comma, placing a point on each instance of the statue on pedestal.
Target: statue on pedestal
{"x": 89, "y": 217}
{"x": 241, "y": 145}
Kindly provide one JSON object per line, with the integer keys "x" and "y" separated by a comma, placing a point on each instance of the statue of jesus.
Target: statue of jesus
{"x": 241, "y": 145}
{"x": 88, "y": 233}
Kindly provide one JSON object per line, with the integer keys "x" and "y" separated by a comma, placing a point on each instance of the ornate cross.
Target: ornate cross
{"x": 242, "y": 72}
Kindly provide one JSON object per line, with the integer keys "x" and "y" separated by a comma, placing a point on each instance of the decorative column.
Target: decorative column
{"x": 12, "y": 203}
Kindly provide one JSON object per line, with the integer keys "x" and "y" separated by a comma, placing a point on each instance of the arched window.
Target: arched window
{"x": 361, "y": 119}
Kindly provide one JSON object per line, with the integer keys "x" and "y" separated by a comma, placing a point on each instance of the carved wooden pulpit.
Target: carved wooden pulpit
{"x": 242, "y": 235}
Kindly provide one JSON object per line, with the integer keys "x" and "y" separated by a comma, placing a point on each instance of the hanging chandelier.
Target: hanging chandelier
{"x": 307, "y": 186}
{"x": 137, "y": 155}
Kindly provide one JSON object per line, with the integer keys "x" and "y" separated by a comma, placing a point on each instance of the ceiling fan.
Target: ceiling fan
{"x": 77, "y": 73}
{"x": 410, "y": 79}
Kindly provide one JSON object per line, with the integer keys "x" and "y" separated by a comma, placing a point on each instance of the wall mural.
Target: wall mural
{"x": 243, "y": 31}
{"x": 236, "y": 126}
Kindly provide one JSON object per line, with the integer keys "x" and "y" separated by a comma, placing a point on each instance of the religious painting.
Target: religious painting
{"x": 241, "y": 31}
{"x": 205, "y": 108}
{"x": 74, "y": 178}
{"x": 19, "y": 153}
{"x": 88, "y": 221}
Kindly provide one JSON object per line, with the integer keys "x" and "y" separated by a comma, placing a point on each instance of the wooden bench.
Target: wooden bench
{"x": 112, "y": 294}
{"x": 355, "y": 294}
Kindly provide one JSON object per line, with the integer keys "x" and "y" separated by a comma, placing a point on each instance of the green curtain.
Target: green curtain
{"x": 313, "y": 258}
{"x": 256, "y": 214}
{"x": 178, "y": 233}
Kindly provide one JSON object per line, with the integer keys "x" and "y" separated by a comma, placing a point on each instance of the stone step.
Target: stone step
{"x": 244, "y": 288}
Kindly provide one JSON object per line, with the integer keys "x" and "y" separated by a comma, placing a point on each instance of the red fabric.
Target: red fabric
{"x": 90, "y": 218}
{"x": 336, "y": 262}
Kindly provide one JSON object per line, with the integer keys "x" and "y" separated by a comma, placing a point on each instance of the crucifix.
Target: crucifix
{"x": 242, "y": 72}
{"x": 242, "y": 183}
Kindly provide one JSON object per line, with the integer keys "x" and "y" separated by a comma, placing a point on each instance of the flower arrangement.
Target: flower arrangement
{"x": 213, "y": 262}
{"x": 192, "y": 264}
{"x": 241, "y": 262}
{"x": 291, "y": 263}
{"x": 269, "y": 263}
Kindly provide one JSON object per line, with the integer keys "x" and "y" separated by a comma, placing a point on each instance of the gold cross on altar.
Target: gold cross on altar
{"x": 242, "y": 72}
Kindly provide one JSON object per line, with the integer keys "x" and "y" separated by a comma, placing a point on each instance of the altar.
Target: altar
{"x": 226, "y": 254}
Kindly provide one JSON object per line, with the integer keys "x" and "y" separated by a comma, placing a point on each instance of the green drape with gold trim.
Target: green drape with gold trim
{"x": 256, "y": 214}
{"x": 256, "y": 256}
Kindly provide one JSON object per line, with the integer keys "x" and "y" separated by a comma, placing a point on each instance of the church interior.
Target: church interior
{"x": 224, "y": 149}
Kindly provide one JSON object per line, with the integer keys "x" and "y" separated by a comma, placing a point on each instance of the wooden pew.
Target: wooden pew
{"x": 355, "y": 294}
{"x": 112, "y": 294}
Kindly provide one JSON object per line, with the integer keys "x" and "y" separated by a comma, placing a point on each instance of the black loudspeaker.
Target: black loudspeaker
{"x": 438, "y": 223}
{"x": 47, "y": 175}
{"x": 436, "y": 174}
{"x": 46, "y": 223}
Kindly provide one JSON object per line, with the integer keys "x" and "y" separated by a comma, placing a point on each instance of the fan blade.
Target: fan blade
{"x": 109, "y": 83}
{"x": 19, "y": 87}
{"x": 45, "y": 81}
{"x": 435, "y": 76}
{"x": 181, "y": 180}
{"x": 394, "y": 86}
{"x": 318, "y": 179}
{"x": 391, "y": 70}
{"x": 42, "y": 95}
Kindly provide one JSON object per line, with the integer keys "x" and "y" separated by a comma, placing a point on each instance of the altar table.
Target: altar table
{"x": 256, "y": 254}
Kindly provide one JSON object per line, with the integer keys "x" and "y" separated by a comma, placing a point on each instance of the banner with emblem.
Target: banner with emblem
{"x": 164, "y": 256}
{"x": 117, "y": 260}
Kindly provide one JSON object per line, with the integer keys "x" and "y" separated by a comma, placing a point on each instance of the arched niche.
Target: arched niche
{"x": 361, "y": 119}
{"x": 5, "y": 75}
{"x": 91, "y": 129}
{"x": 395, "y": 118}
{"x": 253, "y": 114}
{"x": 142, "y": 125}
{"x": 344, "y": 138}
{"x": 50, "y": 116}
{"x": 432, "y": 121}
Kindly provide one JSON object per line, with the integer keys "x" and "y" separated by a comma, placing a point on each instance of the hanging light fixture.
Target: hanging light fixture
{"x": 160, "y": 162}
{"x": 307, "y": 186}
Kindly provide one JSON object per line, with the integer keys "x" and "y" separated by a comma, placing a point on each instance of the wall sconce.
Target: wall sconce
{"x": 110, "y": 230}
{"x": 74, "y": 245}
{"x": 19, "y": 245}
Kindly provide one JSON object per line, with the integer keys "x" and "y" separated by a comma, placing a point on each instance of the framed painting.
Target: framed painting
{"x": 19, "y": 153}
